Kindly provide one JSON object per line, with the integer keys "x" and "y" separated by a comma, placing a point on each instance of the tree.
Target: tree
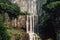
{"x": 12, "y": 10}
{"x": 3, "y": 31}
{"x": 5, "y": 1}
{"x": 48, "y": 21}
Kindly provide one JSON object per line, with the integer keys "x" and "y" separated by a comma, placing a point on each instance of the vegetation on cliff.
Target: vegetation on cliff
{"x": 3, "y": 31}
{"x": 49, "y": 19}
{"x": 13, "y": 11}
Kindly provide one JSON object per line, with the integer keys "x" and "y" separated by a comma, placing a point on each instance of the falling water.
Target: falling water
{"x": 30, "y": 18}
{"x": 30, "y": 24}
{"x": 33, "y": 7}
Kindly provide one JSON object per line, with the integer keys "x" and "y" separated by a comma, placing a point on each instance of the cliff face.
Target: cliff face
{"x": 16, "y": 23}
{"x": 22, "y": 4}
{"x": 17, "y": 28}
{"x": 31, "y": 6}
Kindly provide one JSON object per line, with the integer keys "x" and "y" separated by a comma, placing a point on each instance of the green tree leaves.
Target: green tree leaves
{"x": 3, "y": 31}
{"x": 53, "y": 4}
{"x": 52, "y": 7}
{"x": 52, "y": 10}
{"x": 12, "y": 10}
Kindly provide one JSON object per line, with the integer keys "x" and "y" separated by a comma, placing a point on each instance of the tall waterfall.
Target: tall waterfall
{"x": 30, "y": 18}
{"x": 34, "y": 8}
{"x": 31, "y": 5}
{"x": 30, "y": 26}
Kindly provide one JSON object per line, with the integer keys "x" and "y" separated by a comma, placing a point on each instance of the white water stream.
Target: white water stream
{"x": 30, "y": 19}
{"x": 33, "y": 7}
{"x": 30, "y": 26}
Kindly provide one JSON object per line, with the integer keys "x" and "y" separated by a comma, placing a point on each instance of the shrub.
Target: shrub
{"x": 3, "y": 31}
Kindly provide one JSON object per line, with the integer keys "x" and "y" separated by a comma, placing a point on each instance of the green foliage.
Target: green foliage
{"x": 17, "y": 36}
{"x": 11, "y": 9}
{"x": 5, "y": 7}
{"x": 53, "y": 7}
{"x": 5, "y": 1}
{"x": 3, "y": 31}
{"x": 49, "y": 19}
{"x": 24, "y": 13}
{"x": 44, "y": 18}
{"x": 53, "y": 4}
{"x": 52, "y": 10}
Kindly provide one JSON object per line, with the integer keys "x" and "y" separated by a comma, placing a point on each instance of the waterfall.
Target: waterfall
{"x": 31, "y": 26}
{"x": 33, "y": 7}
{"x": 30, "y": 18}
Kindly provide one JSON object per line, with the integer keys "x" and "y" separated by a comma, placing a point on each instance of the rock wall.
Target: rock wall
{"x": 18, "y": 28}
{"x": 20, "y": 22}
